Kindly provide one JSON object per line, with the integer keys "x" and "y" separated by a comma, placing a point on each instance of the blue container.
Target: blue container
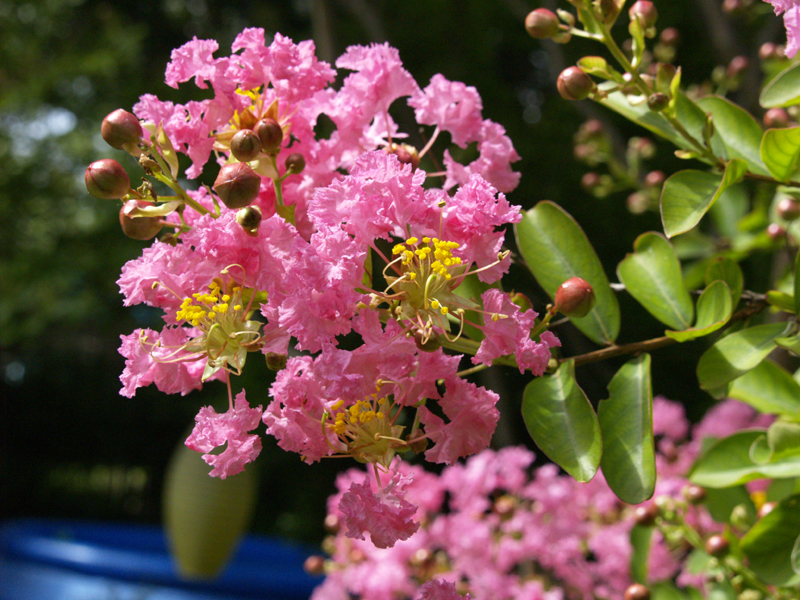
{"x": 65, "y": 560}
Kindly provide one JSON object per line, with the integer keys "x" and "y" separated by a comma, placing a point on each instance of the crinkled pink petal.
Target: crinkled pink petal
{"x": 439, "y": 589}
{"x": 387, "y": 516}
{"x": 212, "y": 430}
{"x": 450, "y": 105}
{"x": 193, "y": 59}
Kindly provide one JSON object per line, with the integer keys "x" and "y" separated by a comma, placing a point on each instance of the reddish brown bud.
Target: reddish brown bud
{"x": 270, "y": 133}
{"x": 637, "y": 592}
{"x": 737, "y": 66}
{"x": 314, "y": 565}
{"x": 731, "y": 6}
{"x": 645, "y": 12}
{"x": 406, "y": 155}
{"x": 788, "y": 208}
{"x": 574, "y": 84}
{"x": 245, "y": 145}
{"x": 237, "y": 185}
{"x": 768, "y": 51}
{"x": 275, "y": 361}
{"x": 590, "y": 180}
{"x": 776, "y": 118}
{"x": 121, "y": 129}
{"x": 670, "y": 37}
{"x": 332, "y": 524}
{"x": 574, "y": 297}
{"x": 295, "y": 163}
{"x": 717, "y": 546}
{"x": 694, "y": 494}
{"x": 542, "y": 24}
{"x": 645, "y": 514}
{"x": 138, "y": 228}
{"x": 776, "y": 232}
{"x": 606, "y": 10}
{"x": 657, "y": 101}
{"x": 249, "y": 218}
{"x": 654, "y": 179}
{"x": 107, "y": 179}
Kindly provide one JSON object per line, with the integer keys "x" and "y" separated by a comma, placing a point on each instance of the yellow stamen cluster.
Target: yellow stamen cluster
{"x": 367, "y": 429}
{"x": 360, "y": 413}
{"x": 204, "y": 307}
{"x": 442, "y": 253}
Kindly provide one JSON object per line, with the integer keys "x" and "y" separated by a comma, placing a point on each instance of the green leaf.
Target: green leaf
{"x": 771, "y": 543}
{"x": 780, "y": 149}
{"x": 714, "y": 309}
{"x": 597, "y": 65}
{"x": 626, "y": 423}
{"x": 783, "y": 438}
{"x": 736, "y": 133}
{"x": 640, "y": 546}
{"x": 652, "y": 275}
{"x": 563, "y": 424}
{"x": 555, "y": 248}
{"x": 769, "y": 389}
{"x": 783, "y": 90}
{"x": 734, "y": 355}
{"x": 797, "y": 284}
{"x": 167, "y": 150}
{"x": 791, "y": 343}
{"x": 728, "y": 462}
{"x": 687, "y": 195}
{"x": 721, "y": 502}
{"x": 729, "y": 271}
{"x": 691, "y": 117}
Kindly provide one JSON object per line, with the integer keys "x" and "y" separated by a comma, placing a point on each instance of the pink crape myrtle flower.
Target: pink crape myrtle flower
{"x": 232, "y": 428}
{"x": 439, "y": 589}
{"x": 386, "y": 515}
{"x": 791, "y": 19}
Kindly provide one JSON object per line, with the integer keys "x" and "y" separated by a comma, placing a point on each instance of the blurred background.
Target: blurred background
{"x": 71, "y": 446}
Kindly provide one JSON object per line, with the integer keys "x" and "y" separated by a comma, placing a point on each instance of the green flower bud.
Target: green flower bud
{"x": 275, "y": 361}
{"x": 574, "y": 84}
{"x": 574, "y": 298}
{"x": 657, "y": 101}
{"x": 245, "y": 145}
{"x": 138, "y": 228}
{"x": 237, "y": 185}
{"x": 121, "y": 130}
{"x": 249, "y": 218}
{"x": 107, "y": 179}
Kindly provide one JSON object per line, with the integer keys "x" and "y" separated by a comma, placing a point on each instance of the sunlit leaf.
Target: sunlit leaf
{"x": 780, "y": 150}
{"x": 729, "y": 271}
{"x": 768, "y": 388}
{"x": 652, "y": 275}
{"x": 563, "y": 423}
{"x": 737, "y": 353}
{"x": 626, "y": 422}
{"x": 783, "y": 90}
{"x": 736, "y": 133}
{"x": 555, "y": 249}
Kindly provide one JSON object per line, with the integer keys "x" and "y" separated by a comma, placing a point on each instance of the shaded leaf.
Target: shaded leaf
{"x": 714, "y": 309}
{"x": 626, "y": 423}
{"x": 555, "y": 249}
{"x": 734, "y": 355}
{"x": 737, "y": 135}
{"x": 640, "y": 546}
{"x": 771, "y": 543}
{"x": 562, "y": 422}
{"x": 768, "y": 388}
{"x": 652, "y": 275}
{"x": 729, "y": 271}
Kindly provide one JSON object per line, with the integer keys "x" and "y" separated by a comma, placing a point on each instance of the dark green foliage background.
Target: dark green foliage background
{"x": 71, "y": 446}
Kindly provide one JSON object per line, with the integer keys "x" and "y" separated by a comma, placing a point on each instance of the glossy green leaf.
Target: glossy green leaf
{"x": 626, "y": 423}
{"x": 555, "y": 248}
{"x": 728, "y": 462}
{"x": 729, "y": 271}
{"x": 640, "y": 546}
{"x": 691, "y": 117}
{"x": 597, "y": 65}
{"x": 783, "y": 438}
{"x": 768, "y": 388}
{"x": 797, "y": 284}
{"x": 714, "y": 309}
{"x": 736, "y": 133}
{"x": 772, "y": 541}
{"x": 652, "y": 275}
{"x": 783, "y": 90}
{"x": 721, "y": 502}
{"x": 562, "y": 422}
{"x": 791, "y": 343}
{"x": 687, "y": 195}
{"x": 780, "y": 150}
{"x": 735, "y": 354}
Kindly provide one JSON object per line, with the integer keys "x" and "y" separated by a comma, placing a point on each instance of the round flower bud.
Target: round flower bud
{"x": 270, "y": 133}
{"x": 657, "y": 101}
{"x": 275, "y": 361}
{"x": 574, "y": 297}
{"x": 694, "y": 494}
{"x": 107, "y": 179}
{"x": 314, "y": 565}
{"x": 776, "y": 232}
{"x": 295, "y": 163}
{"x": 245, "y": 145}
{"x": 121, "y": 130}
{"x": 637, "y": 591}
{"x": 237, "y": 185}
{"x": 574, "y": 84}
{"x": 249, "y": 218}
{"x": 407, "y": 155}
{"x": 645, "y": 514}
{"x": 776, "y": 118}
{"x": 138, "y": 228}
{"x": 788, "y": 208}
{"x": 606, "y": 10}
{"x": 654, "y": 179}
{"x": 332, "y": 524}
{"x": 432, "y": 344}
{"x": 645, "y": 12}
{"x": 670, "y": 37}
{"x": 768, "y": 51}
{"x": 717, "y": 546}
{"x": 737, "y": 66}
{"x": 542, "y": 24}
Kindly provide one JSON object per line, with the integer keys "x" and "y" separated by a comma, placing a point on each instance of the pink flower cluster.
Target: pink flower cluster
{"x": 497, "y": 530}
{"x": 362, "y": 242}
{"x": 791, "y": 19}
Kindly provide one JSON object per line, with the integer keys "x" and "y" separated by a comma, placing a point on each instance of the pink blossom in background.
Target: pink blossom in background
{"x": 791, "y": 19}
{"x": 439, "y": 589}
